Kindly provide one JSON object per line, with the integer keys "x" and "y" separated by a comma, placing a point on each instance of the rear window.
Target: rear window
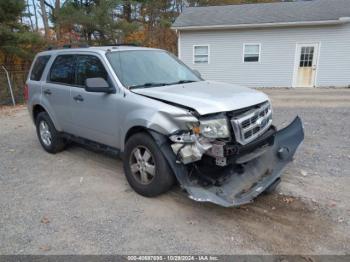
{"x": 39, "y": 67}
{"x": 62, "y": 70}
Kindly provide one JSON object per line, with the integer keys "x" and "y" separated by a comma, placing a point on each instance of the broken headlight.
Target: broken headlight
{"x": 214, "y": 127}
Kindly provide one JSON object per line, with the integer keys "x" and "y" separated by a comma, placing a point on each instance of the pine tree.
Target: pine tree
{"x": 16, "y": 39}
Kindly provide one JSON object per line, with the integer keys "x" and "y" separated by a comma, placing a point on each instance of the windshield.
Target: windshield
{"x": 149, "y": 68}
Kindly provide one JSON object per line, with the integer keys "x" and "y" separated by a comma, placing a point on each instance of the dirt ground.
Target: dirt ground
{"x": 78, "y": 201}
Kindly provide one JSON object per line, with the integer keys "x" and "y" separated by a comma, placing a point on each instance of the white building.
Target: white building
{"x": 298, "y": 44}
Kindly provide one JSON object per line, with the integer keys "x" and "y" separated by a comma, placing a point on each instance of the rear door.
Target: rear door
{"x": 93, "y": 114}
{"x": 56, "y": 90}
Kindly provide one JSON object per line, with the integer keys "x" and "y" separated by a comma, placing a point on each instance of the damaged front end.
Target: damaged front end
{"x": 231, "y": 170}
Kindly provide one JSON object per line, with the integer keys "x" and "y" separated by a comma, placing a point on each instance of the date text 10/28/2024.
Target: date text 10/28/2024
{"x": 172, "y": 258}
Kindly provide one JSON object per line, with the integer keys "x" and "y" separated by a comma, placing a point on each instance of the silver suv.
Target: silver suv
{"x": 168, "y": 124}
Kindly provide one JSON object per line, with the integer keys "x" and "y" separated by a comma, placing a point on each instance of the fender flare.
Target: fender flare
{"x": 179, "y": 169}
{"x": 53, "y": 119}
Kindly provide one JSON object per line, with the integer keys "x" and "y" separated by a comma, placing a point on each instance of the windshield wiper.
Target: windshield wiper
{"x": 182, "y": 82}
{"x": 150, "y": 84}
{"x": 154, "y": 84}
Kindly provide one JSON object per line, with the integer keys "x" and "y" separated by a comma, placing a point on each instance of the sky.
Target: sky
{"x": 38, "y": 9}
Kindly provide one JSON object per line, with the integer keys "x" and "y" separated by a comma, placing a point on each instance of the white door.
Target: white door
{"x": 306, "y": 65}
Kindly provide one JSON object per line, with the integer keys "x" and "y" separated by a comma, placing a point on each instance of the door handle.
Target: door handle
{"x": 47, "y": 92}
{"x": 78, "y": 98}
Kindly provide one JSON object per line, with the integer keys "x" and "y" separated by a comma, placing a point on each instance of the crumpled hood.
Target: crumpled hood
{"x": 206, "y": 97}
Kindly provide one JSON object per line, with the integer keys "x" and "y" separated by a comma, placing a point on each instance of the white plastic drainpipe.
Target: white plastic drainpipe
{"x": 10, "y": 86}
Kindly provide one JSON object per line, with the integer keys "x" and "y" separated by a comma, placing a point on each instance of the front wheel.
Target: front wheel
{"x": 146, "y": 169}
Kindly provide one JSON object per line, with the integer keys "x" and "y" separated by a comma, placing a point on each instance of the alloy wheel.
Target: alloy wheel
{"x": 142, "y": 165}
{"x": 45, "y": 133}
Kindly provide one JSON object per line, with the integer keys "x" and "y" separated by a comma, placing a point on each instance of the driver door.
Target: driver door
{"x": 94, "y": 115}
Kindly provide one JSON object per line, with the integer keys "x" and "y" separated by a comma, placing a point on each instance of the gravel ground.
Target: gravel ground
{"x": 78, "y": 201}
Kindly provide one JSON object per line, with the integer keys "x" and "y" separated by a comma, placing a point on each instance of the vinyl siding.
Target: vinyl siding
{"x": 278, "y": 48}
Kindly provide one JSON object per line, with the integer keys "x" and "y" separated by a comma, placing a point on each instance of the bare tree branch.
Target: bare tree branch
{"x": 49, "y": 5}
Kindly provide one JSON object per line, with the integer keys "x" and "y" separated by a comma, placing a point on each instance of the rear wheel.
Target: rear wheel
{"x": 49, "y": 137}
{"x": 146, "y": 169}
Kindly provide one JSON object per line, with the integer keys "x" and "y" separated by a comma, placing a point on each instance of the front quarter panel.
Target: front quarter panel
{"x": 140, "y": 111}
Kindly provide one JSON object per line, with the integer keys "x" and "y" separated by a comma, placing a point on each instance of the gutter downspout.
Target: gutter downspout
{"x": 178, "y": 32}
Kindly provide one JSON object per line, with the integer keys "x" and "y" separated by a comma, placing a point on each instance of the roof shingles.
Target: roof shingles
{"x": 282, "y": 12}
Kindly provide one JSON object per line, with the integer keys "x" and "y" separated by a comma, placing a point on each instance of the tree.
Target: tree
{"x": 35, "y": 15}
{"x": 53, "y": 15}
{"x": 29, "y": 15}
{"x": 45, "y": 19}
{"x": 94, "y": 20}
{"x": 16, "y": 40}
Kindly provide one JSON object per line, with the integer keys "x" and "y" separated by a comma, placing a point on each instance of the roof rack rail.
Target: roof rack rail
{"x": 124, "y": 44}
{"x": 50, "y": 47}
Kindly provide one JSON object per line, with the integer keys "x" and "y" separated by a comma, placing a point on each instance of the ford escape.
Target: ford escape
{"x": 216, "y": 140}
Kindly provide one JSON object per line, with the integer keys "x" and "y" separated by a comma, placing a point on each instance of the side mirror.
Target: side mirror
{"x": 196, "y": 72}
{"x": 98, "y": 85}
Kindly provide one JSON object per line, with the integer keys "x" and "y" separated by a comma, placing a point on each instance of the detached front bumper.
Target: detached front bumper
{"x": 257, "y": 176}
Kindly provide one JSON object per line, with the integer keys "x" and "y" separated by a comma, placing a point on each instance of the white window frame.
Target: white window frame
{"x": 194, "y": 54}
{"x": 243, "y": 55}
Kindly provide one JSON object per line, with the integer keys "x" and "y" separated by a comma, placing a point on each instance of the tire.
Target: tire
{"x": 149, "y": 185}
{"x": 51, "y": 140}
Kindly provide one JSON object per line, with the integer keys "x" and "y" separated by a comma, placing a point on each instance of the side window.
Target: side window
{"x": 62, "y": 70}
{"x": 201, "y": 54}
{"x": 89, "y": 66}
{"x": 251, "y": 53}
{"x": 39, "y": 67}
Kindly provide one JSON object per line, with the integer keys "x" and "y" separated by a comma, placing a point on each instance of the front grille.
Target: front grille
{"x": 252, "y": 123}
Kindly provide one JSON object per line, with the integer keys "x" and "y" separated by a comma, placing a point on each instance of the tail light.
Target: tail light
{"x": 26, "y": 92}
